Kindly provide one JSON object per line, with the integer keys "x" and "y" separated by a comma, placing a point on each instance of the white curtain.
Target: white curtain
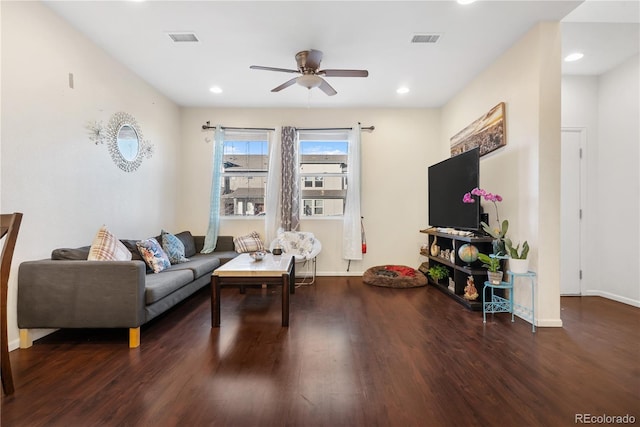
{"x": 214, "y": 213}
{"x": 273, "y": 217}
{"x": 351, "y": 231}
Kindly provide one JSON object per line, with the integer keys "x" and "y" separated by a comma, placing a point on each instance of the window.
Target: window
{"x": 244, "y": 173}
{"x": 313, "y": 207}
{"x": 323, "y": 172}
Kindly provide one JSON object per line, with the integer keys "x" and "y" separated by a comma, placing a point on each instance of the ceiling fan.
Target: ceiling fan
{"x": 308, "y": 67}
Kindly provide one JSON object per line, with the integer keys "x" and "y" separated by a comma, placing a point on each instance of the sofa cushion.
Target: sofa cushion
{"x": 249, "y": 243}
{"x": 153, "y": 255}
{"x": 173, "y": 247}
{"x": 106, "y": 247}
{"x": 199, "y": 264}
{"x": 225, "y": 256}
{"x": 71, "y": 254}
{"x": 189, "y": 243}
{"x": 158, "y": 286}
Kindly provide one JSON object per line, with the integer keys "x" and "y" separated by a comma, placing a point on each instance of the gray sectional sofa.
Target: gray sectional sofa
{"x": 67, "y": 291}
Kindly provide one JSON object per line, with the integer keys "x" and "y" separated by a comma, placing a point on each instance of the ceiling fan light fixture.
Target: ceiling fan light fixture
{"x": 309, "y": 81}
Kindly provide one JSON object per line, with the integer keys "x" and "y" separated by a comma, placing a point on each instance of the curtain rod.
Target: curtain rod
{"x": 371, "y": 128}
{"x": 208, "y": 126}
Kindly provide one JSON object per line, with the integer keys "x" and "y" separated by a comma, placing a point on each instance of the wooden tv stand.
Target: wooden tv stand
{"x": 459, "y": 271}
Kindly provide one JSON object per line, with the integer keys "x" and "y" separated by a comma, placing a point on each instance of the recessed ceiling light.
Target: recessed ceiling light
{"x": 465, "y": 1}
{"x": 573, "y": 57}
{"x": 216, "y": 89}
{"x": 402, "y": 89}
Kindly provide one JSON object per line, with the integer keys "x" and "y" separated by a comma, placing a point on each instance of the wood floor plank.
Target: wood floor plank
{"x": 353, "y": 355}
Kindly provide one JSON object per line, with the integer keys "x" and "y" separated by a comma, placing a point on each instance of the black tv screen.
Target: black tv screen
{"x": 449, "y": 180}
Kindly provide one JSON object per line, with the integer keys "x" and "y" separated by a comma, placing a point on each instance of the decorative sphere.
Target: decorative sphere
{"x": 468, "y": 253}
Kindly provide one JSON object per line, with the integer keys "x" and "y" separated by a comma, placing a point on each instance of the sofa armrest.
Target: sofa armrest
{"x": 81, "y": 294}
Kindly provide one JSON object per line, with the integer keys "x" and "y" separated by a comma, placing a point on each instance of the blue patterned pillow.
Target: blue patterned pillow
{"x": 153, "y": 255}
{"x": 173, "y": 247}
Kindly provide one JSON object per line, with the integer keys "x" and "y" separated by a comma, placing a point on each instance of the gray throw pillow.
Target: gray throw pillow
{"x": 71, "y": 254}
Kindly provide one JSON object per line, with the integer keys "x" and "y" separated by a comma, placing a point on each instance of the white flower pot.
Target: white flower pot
{"x": 518, "y": 266}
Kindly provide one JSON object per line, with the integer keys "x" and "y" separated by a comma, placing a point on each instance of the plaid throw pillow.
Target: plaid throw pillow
{"x": 106, "y": 247}
{"x": 249, "y": 243}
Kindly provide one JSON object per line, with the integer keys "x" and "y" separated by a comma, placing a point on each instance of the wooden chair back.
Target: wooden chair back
{"x": 9, "y": 226}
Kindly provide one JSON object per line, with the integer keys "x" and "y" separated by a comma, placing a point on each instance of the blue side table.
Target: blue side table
{"x": 526, "y": 312}
{"x": 499, "y": 304}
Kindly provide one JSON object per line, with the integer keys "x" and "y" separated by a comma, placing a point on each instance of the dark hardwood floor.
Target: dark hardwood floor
{"x": 354, "y": 355}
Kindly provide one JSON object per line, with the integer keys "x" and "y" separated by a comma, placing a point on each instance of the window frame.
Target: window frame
{"x": 248, "y": 173}
{"x": 325, "y": 192}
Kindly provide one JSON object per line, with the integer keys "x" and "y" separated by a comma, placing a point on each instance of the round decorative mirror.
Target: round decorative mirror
{"x": 125, "y": 142}
{"x": 128, "y": 144}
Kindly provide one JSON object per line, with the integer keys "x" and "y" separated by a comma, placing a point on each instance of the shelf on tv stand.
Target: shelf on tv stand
{"x": 458, "y": 269}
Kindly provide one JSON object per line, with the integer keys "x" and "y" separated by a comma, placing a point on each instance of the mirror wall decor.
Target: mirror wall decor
{"x": 124, "y": 140}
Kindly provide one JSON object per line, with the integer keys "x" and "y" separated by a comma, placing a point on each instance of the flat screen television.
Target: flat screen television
{"x": 449, "y": 180}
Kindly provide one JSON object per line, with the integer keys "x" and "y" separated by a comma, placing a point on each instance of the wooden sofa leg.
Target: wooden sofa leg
{"x": 26, "y": 340}
{"x": 134, "y": 337}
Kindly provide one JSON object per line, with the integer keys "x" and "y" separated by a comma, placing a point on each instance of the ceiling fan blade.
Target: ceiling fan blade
{"x": 326, "y": 88}
{"x": 284, "y": 85}
{"x": 282, "y": 70}
{"x": 313, "y": 59}
{"x": 343, "y": 73}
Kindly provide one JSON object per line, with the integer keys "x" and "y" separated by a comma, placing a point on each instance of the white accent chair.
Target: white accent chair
{"x": 305, "y": 248}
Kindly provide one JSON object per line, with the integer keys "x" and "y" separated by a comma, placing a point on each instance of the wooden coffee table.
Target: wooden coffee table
{"x": 244, "y": 271}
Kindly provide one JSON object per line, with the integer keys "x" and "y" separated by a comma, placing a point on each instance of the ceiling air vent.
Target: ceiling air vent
{"x": 425, "y": 38}
{"x": 183, "y": 37}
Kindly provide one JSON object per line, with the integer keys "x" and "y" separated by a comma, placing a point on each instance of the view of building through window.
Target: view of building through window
{"x": 322, "y": 171}
{"x": 244, "y": 177}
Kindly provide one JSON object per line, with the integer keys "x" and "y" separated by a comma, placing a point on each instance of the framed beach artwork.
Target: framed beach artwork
{"x": 487, "y": 132}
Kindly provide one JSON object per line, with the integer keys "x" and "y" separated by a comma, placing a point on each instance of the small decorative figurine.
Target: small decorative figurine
{"x": 435, "y": 249}
{"x": 470, "y": 292}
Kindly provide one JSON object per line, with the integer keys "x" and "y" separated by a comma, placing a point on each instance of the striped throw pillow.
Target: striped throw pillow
{"x": 106, "y": 247}
{"x": 249, "y": 243}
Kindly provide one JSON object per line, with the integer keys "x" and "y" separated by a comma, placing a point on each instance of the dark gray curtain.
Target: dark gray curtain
{"x": 290, "y": 201}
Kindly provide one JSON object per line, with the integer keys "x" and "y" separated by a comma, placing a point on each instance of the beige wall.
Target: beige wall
{"x": 395, "y": 158}
{"x": 65, "y": 185}
{"x": 526, "y": 171}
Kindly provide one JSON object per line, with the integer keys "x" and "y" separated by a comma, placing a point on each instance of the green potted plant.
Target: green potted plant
{"x": 518, "y": 262}
{"x": 438, "y": 272}
{"x": 492, "y": 264}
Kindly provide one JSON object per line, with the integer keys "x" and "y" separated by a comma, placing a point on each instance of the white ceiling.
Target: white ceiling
{"x": 372, "y": 35}
{"x": 607, "y": 32}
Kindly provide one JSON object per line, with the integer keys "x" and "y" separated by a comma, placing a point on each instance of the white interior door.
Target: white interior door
{"x": 570, "y": 211}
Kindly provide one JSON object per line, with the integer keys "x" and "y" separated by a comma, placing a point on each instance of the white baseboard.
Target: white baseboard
{"x": 339, "y": 273}
{"x": 613, "y": 297}
{"x": 549, "y": 323}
